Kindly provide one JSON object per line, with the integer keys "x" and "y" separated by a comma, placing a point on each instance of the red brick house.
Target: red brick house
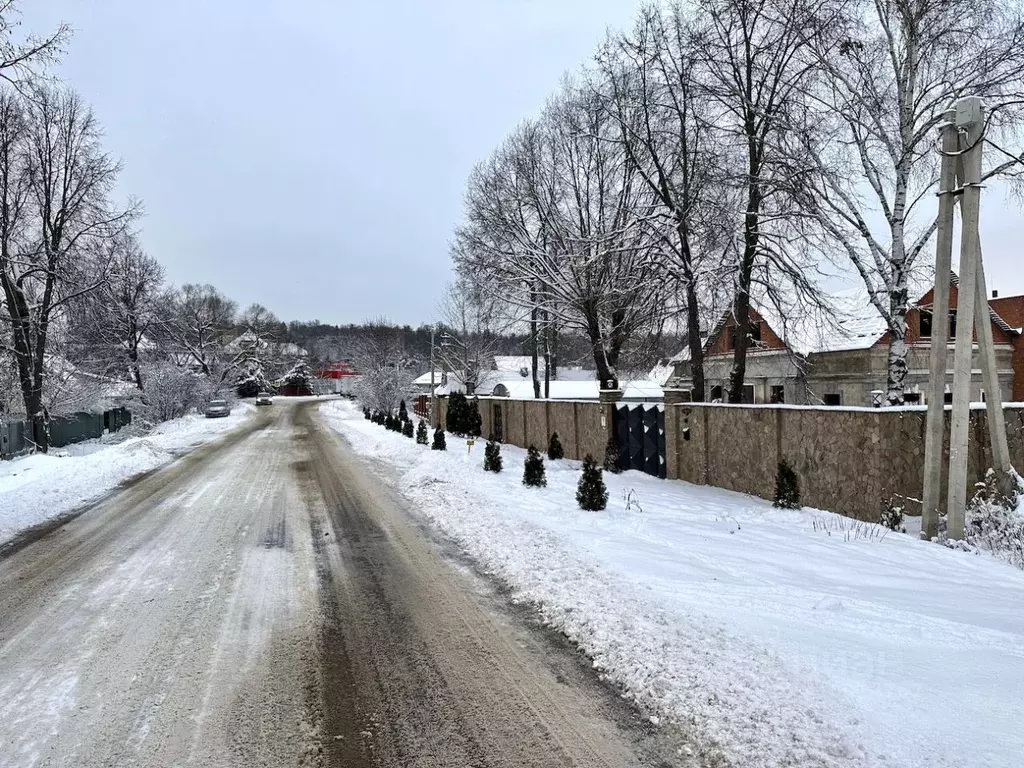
{"x": 1011, "y": 309}
{"x": 845, "y": 361}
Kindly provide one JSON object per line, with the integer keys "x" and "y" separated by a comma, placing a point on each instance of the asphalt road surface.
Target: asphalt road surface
{"x": 267, "y": 601}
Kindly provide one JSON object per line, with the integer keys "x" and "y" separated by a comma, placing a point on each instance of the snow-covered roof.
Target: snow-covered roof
{"x": 515, "y": 363}
{"x": 517, "y": 389}
{"x": 853, "y": 323}
{"x": 661, "y": 373}
{"x": 424, "y": 379}
{"x": 287, "y": 349}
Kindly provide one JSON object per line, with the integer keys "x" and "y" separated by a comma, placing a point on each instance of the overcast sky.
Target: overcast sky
{"x": 311, "y": 154}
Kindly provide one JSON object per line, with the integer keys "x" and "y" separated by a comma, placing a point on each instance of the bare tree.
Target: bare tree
{"x": 119, "y": 321}
{"x": 55, "y": 215}
{"x": 554, "y": 222}
{"x": 652, "y": 80}
{"x": 21, "y": 57}
{"x": 203, "y": 319}
{"x": 382, "y": 362}
{"x": 871, "y": 171}
{"x": 469, "y": 319}
{"x": 760, "y": 62}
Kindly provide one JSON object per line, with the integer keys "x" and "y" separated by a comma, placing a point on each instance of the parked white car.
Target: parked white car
{"x": 218, "y": 409}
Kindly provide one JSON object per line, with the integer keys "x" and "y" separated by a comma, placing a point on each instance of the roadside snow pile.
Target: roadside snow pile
{"x": 770, "y": 638}
{"x": 40, "y": 487}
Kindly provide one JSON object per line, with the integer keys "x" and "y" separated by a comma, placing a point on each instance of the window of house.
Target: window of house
{"x": 927, "y": 323}
{"x": 983, "y": 396}
{"x": 947, "y": 398}
{"x": 748, "y": 394}
{"x": 716, "y": 394}
{"x": 778, "y": 393}
{"x": 753, "y": 333}
{"x": 912, "y": 398}
{"x": 833, "y": 399}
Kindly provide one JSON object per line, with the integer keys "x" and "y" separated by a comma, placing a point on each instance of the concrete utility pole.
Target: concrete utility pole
{"x": 433, "y": 405}
{"x": 932, "y": 499}
{"x": 973, "y": 312}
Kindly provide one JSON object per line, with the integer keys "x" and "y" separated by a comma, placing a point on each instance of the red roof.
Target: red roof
{"x": 336, "y": 371}
{"x": 1011, "y": 309}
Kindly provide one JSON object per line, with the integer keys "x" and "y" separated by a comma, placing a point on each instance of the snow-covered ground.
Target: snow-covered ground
{"x": 774, "y": 638}
{"x": 38, "y": 487}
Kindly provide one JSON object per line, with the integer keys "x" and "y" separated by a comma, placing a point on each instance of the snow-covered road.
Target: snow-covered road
{"x": 265, "y": 602}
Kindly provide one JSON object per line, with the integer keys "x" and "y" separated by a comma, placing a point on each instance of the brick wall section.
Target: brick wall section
{"x": 563, "y": 421}
{"x": 847, "y": 461}
{"x": 537, "y": 424}
{"x": 1011, "y": 309}
{"x": 515, "y": 426}
{"x": 719, "y": 345}
{"x": 739, "y": 463}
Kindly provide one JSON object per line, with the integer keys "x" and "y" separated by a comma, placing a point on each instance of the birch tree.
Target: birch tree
{"x": 870, "y": 176}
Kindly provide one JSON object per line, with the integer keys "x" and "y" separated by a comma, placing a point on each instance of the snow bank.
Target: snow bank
{"x": 772, "y": 637}
{"x": 39, "y": 487}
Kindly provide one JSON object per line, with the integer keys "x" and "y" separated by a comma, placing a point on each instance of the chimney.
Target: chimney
{"x": 995, "y": 294}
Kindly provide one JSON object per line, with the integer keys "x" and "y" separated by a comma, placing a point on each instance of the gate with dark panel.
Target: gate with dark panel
{"x": 640, "y": 431}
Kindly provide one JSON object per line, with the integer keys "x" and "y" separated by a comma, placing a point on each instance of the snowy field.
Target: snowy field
{"x": 773, "y": 638}
{"x": 38, "y": 487}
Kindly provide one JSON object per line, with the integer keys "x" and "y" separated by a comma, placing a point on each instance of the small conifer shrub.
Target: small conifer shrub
{"x": 492, "y": 456}
{"x": 611, "y": 456}
{"x": 591, "y": 493}
{"x": 555, "y": 449}
{"x": 533, "y": 471}
{"x": 787, "y": 487}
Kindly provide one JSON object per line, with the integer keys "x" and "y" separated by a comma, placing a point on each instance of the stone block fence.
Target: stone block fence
{"x": 848, "y": 459}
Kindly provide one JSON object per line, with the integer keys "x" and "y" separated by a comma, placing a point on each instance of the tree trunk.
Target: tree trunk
{"x": 896, "y": 376}
{"x": 533, "y": 344}
{"x": 605, "y": 360}
{"x": 553, "y": 362}
{"x": 547, "y": 358}
{"x": 29, "y": 363}
{"x": 692, "y": 317}
{"x": 741, "y": 311}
